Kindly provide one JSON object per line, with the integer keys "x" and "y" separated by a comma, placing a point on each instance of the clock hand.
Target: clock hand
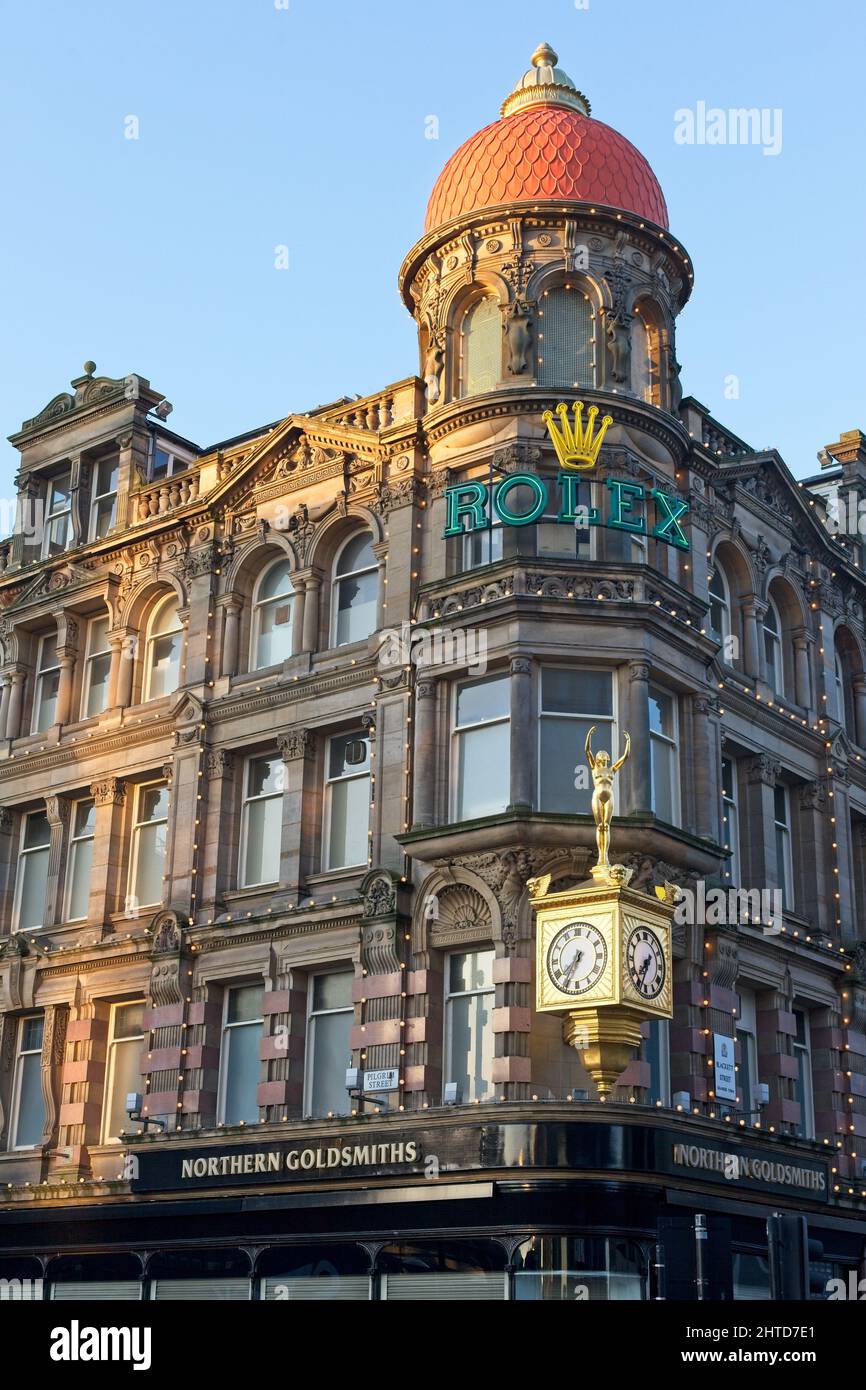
{"x": 644, "y": 968}
{"x": 578, "y": 956}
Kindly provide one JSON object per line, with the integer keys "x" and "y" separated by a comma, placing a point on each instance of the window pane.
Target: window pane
{"x": 60, "y": 495}
{"x": 332, "y": 1054}
{"x": 153, "y": 803}
{"x": 32, "y": 1031}
{"x": 265, "y": 775}
{"x": 150, "y": 863}
{"x": 106, "y": 476}
{"x": 58, "y": 532}
{"x": 562, "y": 749}
{"x": 780, "y": 805}
{"x": 79, "y": 887}
{"x": 274, "y": 640}
{"x": 126, "y": 1077}
{"x": 264, "y": 825}
{"x": 471, "y": 1045}
{"x": 97, "y": 685}
{"x": 48, "y": 654}
{"x": 663, "y": 780}
{"x": 350, "y": 814}
{"x": 46, "y": 707}
{"x": 661, "y": 713}
{"x": 576, "y": 692}
{"x": 242, "y": 1073}
{"x": 31, "y": 1108}
{"x": 470, "y": 970}
{"x": 37, "y": 831}
{"x": 357, "y": 554}
{"x": 350, "y": 753}
{"x": 356, "y": 607}
{"x": 164, "y": 665}
{"x": 484, "y": 778}
{"x": 34, "y": 877}
{"x": 565, "y": 350}
{"x": 482, "y": 348}
{"x": 488, "y": 699}
{"x": 244, "y": 1004}
{"x": 129, "y": 1020}
{"x": 103, "y": 517}
{"x": 333, "y": 991}
{"x": 482, "y": 547}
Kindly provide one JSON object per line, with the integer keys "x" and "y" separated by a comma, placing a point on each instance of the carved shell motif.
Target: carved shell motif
{"x": 462, "y": 915}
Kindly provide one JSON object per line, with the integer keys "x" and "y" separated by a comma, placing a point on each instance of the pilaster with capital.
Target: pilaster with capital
{"x": 108, "y": 881}
{"x": 424, "y": 760}
{"x": 760, "y": 869}
{"x": 523, "y": 761}
{"x": 57, "y": 809}
{"x": 636, "y": 723}
{"x": 298, "y": 748}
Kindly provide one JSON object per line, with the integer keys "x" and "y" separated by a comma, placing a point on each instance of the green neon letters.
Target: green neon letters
{"x": 627, "y": 510}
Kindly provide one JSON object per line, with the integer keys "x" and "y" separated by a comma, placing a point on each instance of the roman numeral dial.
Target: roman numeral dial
{"x": 645, "y": 961}
{"x": 576, "y": 958}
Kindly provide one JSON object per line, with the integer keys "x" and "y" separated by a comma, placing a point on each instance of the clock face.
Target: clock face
{"x": 645, "y": 960}
{"x": 576, "y": 958}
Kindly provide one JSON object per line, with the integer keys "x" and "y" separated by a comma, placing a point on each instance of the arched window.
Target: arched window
{"x": 775, "y": 670}
{"x": 356, "y": 590}
{"x": 162, "y": 654}
{"x": 481, "y": 348}
{"x": 839, "y": 682}
{"x": 645, "y": 358}
{"x": 720, "y": 607}
{"x": 272, "y": 616}
{"x": 566, "y": 338}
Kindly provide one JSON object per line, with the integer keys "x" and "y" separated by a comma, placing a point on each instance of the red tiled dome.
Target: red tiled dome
{"x": 546, "y": 146}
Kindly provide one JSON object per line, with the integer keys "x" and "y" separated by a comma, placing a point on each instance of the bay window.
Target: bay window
{"x": 261, "y": 821}
{"x": 240, "y": 1064}
{"x": 122, "y": 1067}
{"x": 664, "y": 773}
{"x": 82, "y": 828}
{"x": 32, "y": 876}
{"x": 572, "y": 700}
{"x": 469, "y": 996}
{"x": 347, "y": 801}
{"x": 149, "y": 838}
{"x": 97, "y": 664}
{"x": 47, "y": 684}
{"x": 28, "y": 1107}
{"x": 329, "y": 1050}
{"x": 482, "y": 755}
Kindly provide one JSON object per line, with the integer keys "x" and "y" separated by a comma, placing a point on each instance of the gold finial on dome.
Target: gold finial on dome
{"x": 545, "y": 83}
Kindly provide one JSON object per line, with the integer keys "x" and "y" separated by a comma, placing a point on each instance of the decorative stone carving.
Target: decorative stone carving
{"x": 379, "y": 947}
{"x": 462, "y": 915}
{"x": 518, "y": 336}
{"x": 166, "y": 928}
{"x": 434, "y": 360}
{"x": 379, "y": 893}
{"x": 618, "y": 332}
{"x": 108, "y": 791}
{"x": 219, "y": 762}
{"x": 764, "y": 769}
{"x": 297, "y": 743}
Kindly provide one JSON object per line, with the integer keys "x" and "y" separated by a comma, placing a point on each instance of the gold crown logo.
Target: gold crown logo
{"x": 576, "y": 448}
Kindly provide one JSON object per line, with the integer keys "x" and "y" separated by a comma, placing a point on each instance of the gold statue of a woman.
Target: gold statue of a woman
{"x": 603, "y": 772}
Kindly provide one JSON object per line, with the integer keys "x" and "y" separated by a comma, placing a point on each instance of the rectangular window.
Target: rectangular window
{"x": 784, "y": 865}
{"x": 482, "y": 547}
{"x": 103, "y": 505}
{"x": 656, "y": 1051}
{"x": 482, "y": 753}
{"x": 571, "y": 702}
{"x": 663, "y": 755}
{"x": 123, "y": 1067}
{"x": 97, "y": 665}
{"x": 165, "y": 462}
{"x": 329, "y": 1050}
{"x": 240, "y": 1054}
{"x": 747, "y": 1037}
{"x": 28, "y": 1107}
{"x": 730, "y": 820}
{"x": 32, "y": 871}
{"x": 82, "y": 830}
{"x": 47, "y": 684}
{"x": 149, "y": 835}
{"x": 262, "y": 821}
{"x": 347, "y": 801}
{"x": 803, "y": 1084}
{"x": 469, "y": 998}
{"x": 58, "y": 516}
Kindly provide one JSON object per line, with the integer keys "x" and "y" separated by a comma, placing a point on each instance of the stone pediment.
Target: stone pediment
{"x": 66, "y": 576}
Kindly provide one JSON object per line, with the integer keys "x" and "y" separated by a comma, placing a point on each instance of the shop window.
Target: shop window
{"x": 212, "y": 1276}
{"x": 163, "y": 649}
{"x": 95, "y": 1279}
{"x": 272, "y": 616}
{"x": 462, "y": 1271}
{"x": 97, "y": 666}
{"x": 664, "y": 771}
{"x": 566, "y": 338}
{"x": 580, "y": 1268}
{"x": 149, "y": 836}
{"x": 32, "y": 875}
{"x": 240, "y": 1064}
{"x": 262, "y": 821}
{"x": 356, "y": 591}
{"x": 784, "y": 863}
{"x": 347, "y": 801}
{"x": 572, "y": 700}
{"x": 481, "y": 348}
{"x": 47, "y": 684}
{"x": 329, "y": 1050}
{"x": 123, "y": 1067}
{"x": 319, "y": 1273}
{"x": 803, "y": 1093}
{"x": 82, "y": 829}
{"x": 28, "y": 1108}
{"x": 751, "y": 1277}
{"x": 731, "y": 820}
{"x": 58, "y": 516}
{"x": 482, "y": 757}
{"x": 103, "y": 504}
{"x": 469, "y": 997}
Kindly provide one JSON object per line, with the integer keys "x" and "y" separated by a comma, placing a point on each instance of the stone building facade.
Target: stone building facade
{"x": 278, "y": 755}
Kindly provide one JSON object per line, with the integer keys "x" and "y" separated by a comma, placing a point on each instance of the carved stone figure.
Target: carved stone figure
{"x": 619, "y": 346}
{"x": 518, "y": 336}
{"x": 433, "y": 363}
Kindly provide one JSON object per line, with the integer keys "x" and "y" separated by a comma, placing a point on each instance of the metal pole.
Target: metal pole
{"x": 660, "y": 1273}
{"x": 700, "y": 1257}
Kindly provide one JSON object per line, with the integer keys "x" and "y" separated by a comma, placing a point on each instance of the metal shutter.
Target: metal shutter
{"x": 92, "y": 1291}
{"x": 457, "y": 1287}
{"x": 566, "y": 350}
{"x": 223, "y": 1290}
{"x": 345, "y": 1287}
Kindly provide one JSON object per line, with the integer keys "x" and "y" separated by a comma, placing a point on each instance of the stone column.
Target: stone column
{"x": 107, "y": 881}
{"x": 79, "y": 480}
{"x": 638, "y": 765}
{"x": 818, "y": 902}
{"x": 802, "y": 669}
{"x": 859, "y": 709}
{"x": 115, "y": 642}
{"x": 16, "y": 702}
{"x": 51, "y": 1066}
{"x": 523, "y": 762}
{"x": 231, "y": 634}
{"x": 298, "y": 751}
{"x": 760, "y": 869}
{"x": 705, "y": 767}
{"x": 5, "y": 687}
{"x": 129, "y": 649}
{"x": 312, "y": 588}
{"x": 300, "y": 590}
{"x": 217, "y": 869}
{"x": 57, "y": 810}
{"x": 380, "y": 550}
{"x": 424, "y": 759}
{"x": 752, "y": 663}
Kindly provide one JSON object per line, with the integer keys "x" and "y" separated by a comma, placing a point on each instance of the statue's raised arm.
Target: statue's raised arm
{"x": 618, "y": 764}
{"x": 587, "y": 749}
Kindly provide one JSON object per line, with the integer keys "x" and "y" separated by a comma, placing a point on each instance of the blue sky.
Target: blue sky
{"x": 262, "y": 125}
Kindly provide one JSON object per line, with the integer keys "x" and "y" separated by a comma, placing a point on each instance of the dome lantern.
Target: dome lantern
{"x": 545, "y": 82}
